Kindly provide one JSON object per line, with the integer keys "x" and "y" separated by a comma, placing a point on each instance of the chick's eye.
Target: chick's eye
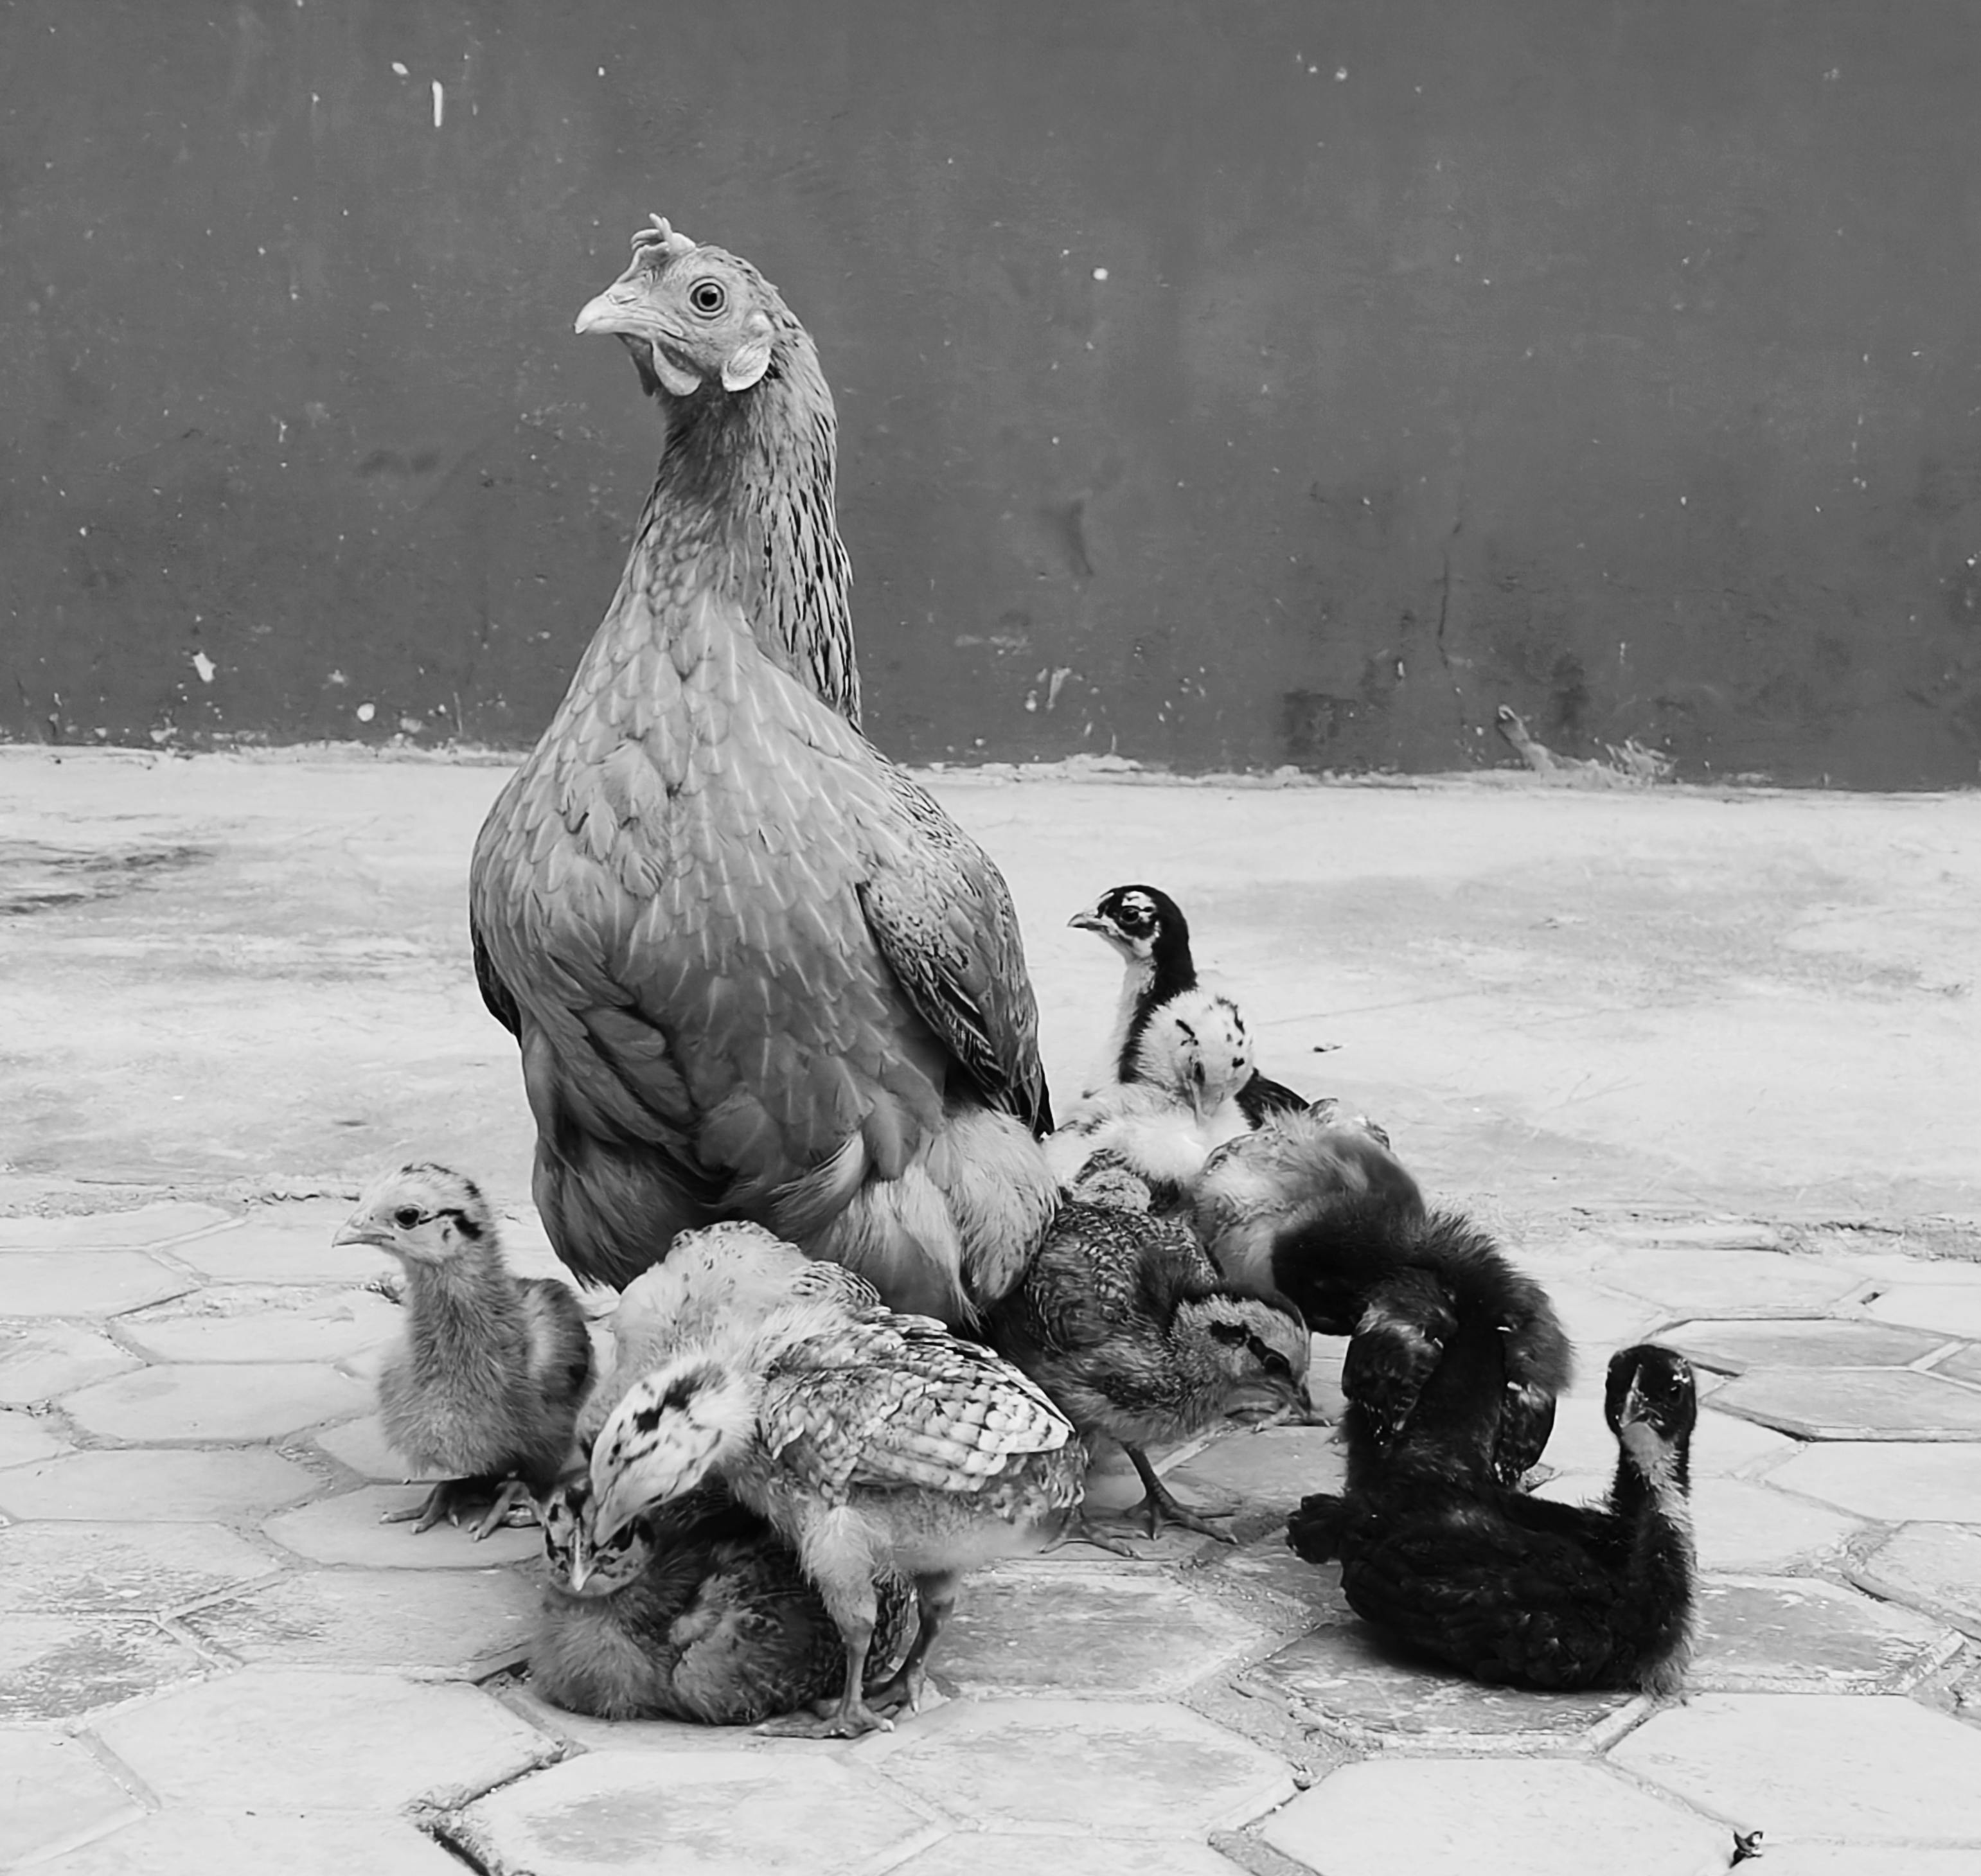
{"x": 707, "y": 296}
{"x": 406, "y": 1217}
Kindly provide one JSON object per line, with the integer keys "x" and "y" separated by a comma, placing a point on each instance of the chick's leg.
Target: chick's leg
{"x": 935, "y": 1597}
{"x": 837, "y": 1555}
{"x": 1162, "y": 1508}
{"x": 451, "y": 1499}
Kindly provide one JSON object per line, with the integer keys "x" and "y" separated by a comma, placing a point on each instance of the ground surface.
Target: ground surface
{"x": 1708, "y": 1060}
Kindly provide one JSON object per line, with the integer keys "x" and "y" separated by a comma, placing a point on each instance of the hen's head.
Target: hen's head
{"x": 692, "y": 316}
{"x": 423, "y": 1214}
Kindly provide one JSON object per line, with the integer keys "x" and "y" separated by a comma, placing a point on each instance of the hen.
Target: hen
{"x": 754, "y": 970}
{"x": 876, "y": 1444}
{"x": 1147, "y": 928}
{"x": 1509, "y": 1587}
{"x": 487, "y": 1379}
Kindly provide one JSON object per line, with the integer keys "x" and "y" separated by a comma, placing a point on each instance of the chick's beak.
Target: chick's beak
{"x": 1087, "y": 921}
{"x": 362, "y": 1228}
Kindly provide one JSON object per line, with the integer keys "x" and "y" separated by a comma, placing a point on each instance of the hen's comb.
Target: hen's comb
{"x": 660, "y": 239}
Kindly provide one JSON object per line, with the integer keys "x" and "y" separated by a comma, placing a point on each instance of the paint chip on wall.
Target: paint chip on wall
{"x": 205, "y": 666}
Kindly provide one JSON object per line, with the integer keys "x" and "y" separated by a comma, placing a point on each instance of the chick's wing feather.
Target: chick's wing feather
{"x": 890, "y": 1400}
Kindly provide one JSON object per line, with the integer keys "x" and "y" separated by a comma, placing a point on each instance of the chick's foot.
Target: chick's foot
{"x": 454, "y": 1499}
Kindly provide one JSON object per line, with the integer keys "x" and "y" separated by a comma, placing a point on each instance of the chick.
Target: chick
{"x": 699, "y": 1611}
{"x": 487, "y": 1379}
{"x": 1509, "y": 1587}
{"x": 1124, "y": 1321}
{"x": 1192, "y": 1058}
{"x": 1147, "y": 928}
{"x": 1323, "y": 1214}
{"x": 876, "y": 1444}
{"x": 718, "y": 1281}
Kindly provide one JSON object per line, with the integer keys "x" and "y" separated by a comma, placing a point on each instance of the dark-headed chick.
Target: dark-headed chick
{"x": 485, "y": 1383}
{"x": 1147, "y": 928}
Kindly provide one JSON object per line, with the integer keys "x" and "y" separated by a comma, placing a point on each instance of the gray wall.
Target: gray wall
{"x": 1620, "y": 361}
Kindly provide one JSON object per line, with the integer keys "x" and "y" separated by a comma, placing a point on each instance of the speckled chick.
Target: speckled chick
{"x": 1193, "y": 1055}
{"x": 486, "y": 1381}
{"x": 878, "y": 1444}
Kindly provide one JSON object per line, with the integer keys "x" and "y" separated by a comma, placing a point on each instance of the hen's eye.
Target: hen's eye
{"x": 406, "y": 1217}
{"x": 707, "y": 296}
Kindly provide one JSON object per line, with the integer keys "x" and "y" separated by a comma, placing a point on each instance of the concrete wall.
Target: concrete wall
{"x": 1221, "y": 382}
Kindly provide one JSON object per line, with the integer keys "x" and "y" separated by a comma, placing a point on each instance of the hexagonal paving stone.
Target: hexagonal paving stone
{"x": 24, "y": 1440}
{"x": 1081, "y": 1628}
{"x": 1855, "y": 1403}
{"x": 1952, "y": 1308}
{"x": 463, "y": 1623}
{"x": 361, "y": 1444}
{"x": 1806, "y": 1859}
{"x": 194, "y": 1842}
{"x": 1799, "y": 1635}
{"x": 140, "y": 1482}
{"x": 162, "y": 1223}
{"x": 1731, "y": 1282}
{"x": 1598, "y": 1320}
{"x": 345, "y": 1529}
{"x": 1441, "y": 1816}
{"x": 1932, "y": 1567}
{"x": 1822, "y": 1342}
{"x": 39, "y": 1361}
{"x": 84, "y": 1283}
{"x": 1892, "y": 1481}
{"x": 122, "y": 1569}
{"x": 1270, "y": 1470}
{"x": 286, "y": 1244}
{"x": 1117, "y": 1768}
{"x": 1350, "y": 1681}
{"x": 1743, "y": 1525}
{"x": 53, "y": 1791}
{"x": 719, "y": 1813}
{"x": 1859, "y": 1768}
{"x": 302, "y": 1739}
{"x": 1710, "y": 1234}
{"x": 220, "y": 1401}
{"x": 244, "y": 1322}
{"x": 54, "y": 1667}
{"x": 1962, "y": 1365}
{"x": 977, "y": 1853}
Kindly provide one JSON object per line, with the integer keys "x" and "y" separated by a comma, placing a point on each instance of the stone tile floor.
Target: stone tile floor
{"x": 214, "y": 1658}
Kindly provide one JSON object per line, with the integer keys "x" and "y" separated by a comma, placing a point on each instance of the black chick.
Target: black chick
{"x": 698, "y": 1610}
{"x": 1148, "y": 928}
{"x": 1509, "y": 1587}
{"x": 1121, "y": 1319}
{"x": 487, "y": 1380}
{"x": 1329, "y": 1219}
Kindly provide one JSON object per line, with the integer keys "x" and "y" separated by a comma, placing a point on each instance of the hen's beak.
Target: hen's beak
{"x": 621, "y": 307}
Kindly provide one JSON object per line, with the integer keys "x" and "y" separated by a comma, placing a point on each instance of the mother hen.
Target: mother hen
{"x": 754, "y": 970}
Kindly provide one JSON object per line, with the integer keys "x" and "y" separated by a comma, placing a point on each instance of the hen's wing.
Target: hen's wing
{"x": 892, "y": 1401}
{"x": 943, "y": 917}
{"x": 737, "y": 959}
